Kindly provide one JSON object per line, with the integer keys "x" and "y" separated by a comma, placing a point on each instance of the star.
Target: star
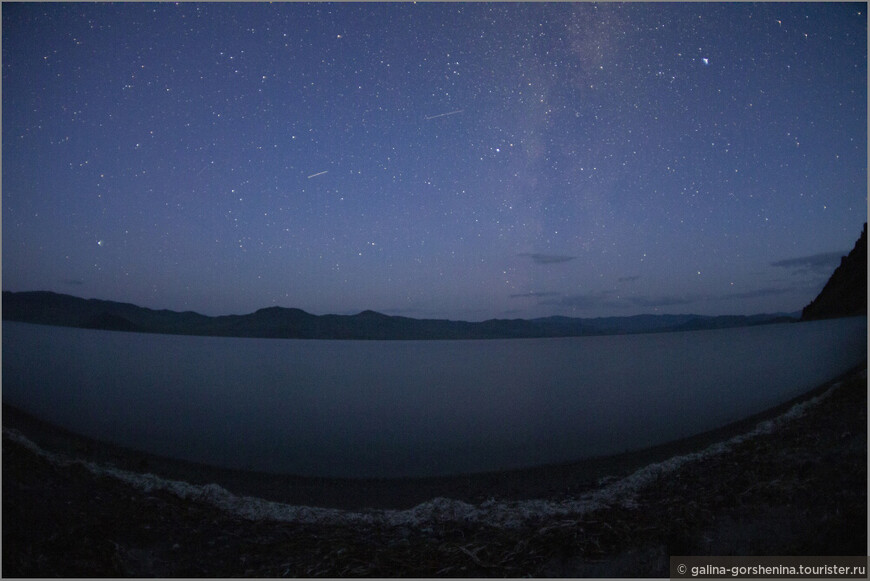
{"x": 554, "y": 127}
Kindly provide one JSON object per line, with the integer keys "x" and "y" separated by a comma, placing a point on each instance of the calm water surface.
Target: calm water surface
{"x": 412, "y": 408}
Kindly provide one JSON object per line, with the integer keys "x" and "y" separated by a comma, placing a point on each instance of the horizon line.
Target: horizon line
{"x": 444, "y": 318}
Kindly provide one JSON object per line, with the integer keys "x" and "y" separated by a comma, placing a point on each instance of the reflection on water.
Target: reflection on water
{"x": 412, "y": 408}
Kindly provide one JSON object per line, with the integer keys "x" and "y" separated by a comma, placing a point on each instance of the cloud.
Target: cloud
{"x": 548, "y": 258}
{"x": 823, "y": 261}
{"x": 663, "y": 301}
{"x": 510, "y": 312}
{"x": 593, "y": 300}
{"x": 627, "y": 278}
{"x": 534, "y": 295}
{"x": 610, "y": 300}
{"x": 753, "y": 294}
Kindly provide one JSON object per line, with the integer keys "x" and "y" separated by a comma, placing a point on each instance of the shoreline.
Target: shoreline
{"x": 791, "y": 484}
{"x": 556, "y": 481}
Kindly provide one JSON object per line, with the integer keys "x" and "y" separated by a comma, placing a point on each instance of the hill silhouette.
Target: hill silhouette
{"x": 845, "y": 293}
{"x": 48, "y": 308}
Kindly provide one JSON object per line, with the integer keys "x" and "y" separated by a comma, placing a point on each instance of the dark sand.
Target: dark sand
{"x": 799, "y": 490}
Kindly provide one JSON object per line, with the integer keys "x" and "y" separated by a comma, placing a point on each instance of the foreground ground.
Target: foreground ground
{"x": 797, "y": 487}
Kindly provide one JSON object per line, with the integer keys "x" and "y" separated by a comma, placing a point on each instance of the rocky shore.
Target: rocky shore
{"x": 792, "y": 481}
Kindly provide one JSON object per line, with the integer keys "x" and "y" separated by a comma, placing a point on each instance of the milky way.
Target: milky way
{"x": 460, "y": 161}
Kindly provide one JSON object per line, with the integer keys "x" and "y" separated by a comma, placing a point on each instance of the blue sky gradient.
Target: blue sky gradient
{"x": 461, "y": 161}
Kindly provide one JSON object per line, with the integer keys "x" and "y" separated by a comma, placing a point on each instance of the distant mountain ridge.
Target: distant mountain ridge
{"x": 48, "y": 308}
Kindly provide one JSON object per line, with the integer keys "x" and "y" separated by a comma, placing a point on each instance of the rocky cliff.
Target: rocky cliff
{"x": 845, "y": 293}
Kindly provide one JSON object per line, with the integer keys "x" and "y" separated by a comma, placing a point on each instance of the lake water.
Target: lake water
{"x": 412, "y": 408}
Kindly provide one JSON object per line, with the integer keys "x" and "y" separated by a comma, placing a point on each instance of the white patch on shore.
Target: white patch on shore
{"x": 621, "y": 492}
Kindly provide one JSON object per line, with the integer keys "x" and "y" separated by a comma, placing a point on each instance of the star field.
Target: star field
{"x": 461, "y": 161}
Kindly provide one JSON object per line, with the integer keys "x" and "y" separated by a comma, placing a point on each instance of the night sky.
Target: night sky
{"x": 462, "y": 161}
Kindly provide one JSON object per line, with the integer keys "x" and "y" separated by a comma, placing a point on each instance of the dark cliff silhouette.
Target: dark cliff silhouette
{"x": 845, "y": 293}
{"x": 48, "y": 308}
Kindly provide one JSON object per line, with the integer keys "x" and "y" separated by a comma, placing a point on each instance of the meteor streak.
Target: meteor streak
{"x": 444, "y": 114}
{"x": 317, "y": 174}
